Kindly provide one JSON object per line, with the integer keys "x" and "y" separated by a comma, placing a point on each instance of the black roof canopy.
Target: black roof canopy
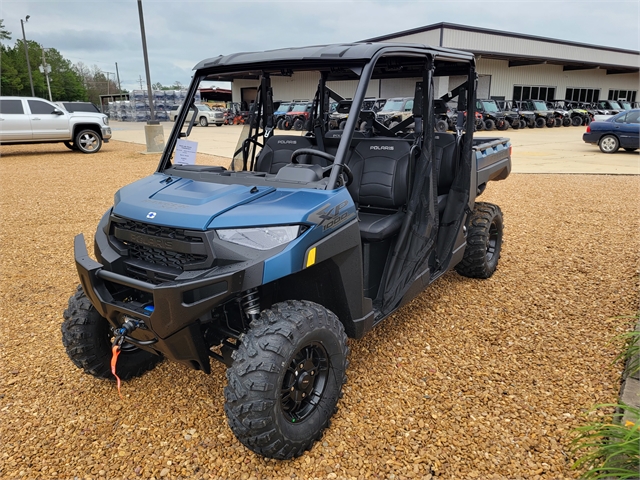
{"x": 342, "y": 61}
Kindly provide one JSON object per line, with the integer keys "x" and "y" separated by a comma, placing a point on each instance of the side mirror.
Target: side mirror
{"x": 57, "y": 111}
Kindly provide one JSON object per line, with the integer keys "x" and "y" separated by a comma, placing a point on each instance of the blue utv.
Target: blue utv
{"x": 269, "y": 263}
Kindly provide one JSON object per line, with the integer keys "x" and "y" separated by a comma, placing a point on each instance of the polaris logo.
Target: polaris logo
{"x": 381, "y": 147}
{"x": 153, "y": 242}
{"x": 287, "y": 142}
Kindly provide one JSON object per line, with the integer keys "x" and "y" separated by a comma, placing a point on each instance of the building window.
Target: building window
{"x": 629, "y": 95}
{"x": 528, "y": 92}
{"x": 582, "y": 94}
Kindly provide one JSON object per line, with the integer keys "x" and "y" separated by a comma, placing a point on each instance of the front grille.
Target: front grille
{"x": 158, "y": 231}
{"x": 144, "y": 248}
{"x": 163, "y": 257}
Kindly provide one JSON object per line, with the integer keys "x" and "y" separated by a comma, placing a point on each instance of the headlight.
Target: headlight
{"x": 105, "y": 120}
{"x": 260, "y": 238}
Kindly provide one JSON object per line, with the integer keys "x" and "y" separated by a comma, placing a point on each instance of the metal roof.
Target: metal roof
{"x": 536, "y": 54}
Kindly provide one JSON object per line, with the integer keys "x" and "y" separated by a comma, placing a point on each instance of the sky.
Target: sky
{"x": 182, "y": 33}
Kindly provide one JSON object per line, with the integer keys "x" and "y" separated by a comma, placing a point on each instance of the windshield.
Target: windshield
{"x": 490, "y": 106}
{"x": 203, "y": 107}
{"x": 393, "y": 105}
{"x": 539, "y": 105}
{"x": 615, "y": 105}
{"x": 284, "y": 107}
{"x": 626, "y": 105}
{"x": 299, "y": 108}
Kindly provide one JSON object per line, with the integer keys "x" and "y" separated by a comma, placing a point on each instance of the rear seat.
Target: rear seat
{"x": 380, "y": 183}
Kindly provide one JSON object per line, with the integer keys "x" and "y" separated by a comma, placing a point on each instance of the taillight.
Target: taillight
{"x": 588, "y": 128}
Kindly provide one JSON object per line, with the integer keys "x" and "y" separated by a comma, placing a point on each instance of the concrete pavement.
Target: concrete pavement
{"x": 539, "y": 150}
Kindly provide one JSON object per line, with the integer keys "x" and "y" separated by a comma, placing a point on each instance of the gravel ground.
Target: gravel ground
{"x": 473, "y": 379}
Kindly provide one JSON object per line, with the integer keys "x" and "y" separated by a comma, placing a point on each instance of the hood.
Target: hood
{"x": 92, "y": 115}
{"x": 181, "y": 203}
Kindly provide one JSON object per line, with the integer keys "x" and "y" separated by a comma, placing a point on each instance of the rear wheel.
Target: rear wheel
{"x": 540, "y": 122}
{"x": 286, "y": 379}
{"x": 88, "y": 141}
{"x": 280, "y": 124}
{"x": 502, "y": 125}
{"x": 557, "y": 122}
{"x": 489, "y": 125}
{"x": 609, "y": 144}
{"x": 297, "y": 125}
{"x": 87, "y": 336}
{"x": 441, "y": 126}
{"x": 484, "y": 242}
{"x": 576, "y": 121}
{"x": 566, "y": 122}
{"x": 287, "y": 124}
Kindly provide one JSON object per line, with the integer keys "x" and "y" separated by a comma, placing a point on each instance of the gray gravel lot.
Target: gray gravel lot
{"x": 473, "y": 379}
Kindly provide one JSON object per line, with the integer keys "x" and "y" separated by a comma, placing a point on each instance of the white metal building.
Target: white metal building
{"x": 511, "y": 66}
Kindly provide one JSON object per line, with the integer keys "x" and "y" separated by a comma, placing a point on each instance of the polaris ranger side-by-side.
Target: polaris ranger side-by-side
{"x": 304, "y": 240}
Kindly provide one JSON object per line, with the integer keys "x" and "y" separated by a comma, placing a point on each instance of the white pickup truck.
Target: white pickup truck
{"x": 35, "y": 120}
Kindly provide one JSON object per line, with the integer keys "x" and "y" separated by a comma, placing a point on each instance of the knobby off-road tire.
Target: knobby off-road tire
{"x": 298, "y": 124}
{"x": 566, "y": 122}
{"x": 280, "y": 124}
{"x": 484, "y": 242}
{"x": 576, "y": 121}
{"x": 441, "y": 126}
{"x": 86, "y": 337}
{"x": 489, "y": 125}
{"x": 286, "y": 379}
{"x": 540, "y": 122}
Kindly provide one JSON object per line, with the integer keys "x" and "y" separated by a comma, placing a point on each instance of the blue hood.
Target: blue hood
{"x": 181, "y": 203}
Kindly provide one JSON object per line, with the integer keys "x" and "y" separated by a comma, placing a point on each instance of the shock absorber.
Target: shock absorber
{"x": 251, "y": 303}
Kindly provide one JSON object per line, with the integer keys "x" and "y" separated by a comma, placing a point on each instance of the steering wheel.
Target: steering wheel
{"x": 328, "y": 157}
{"x": 311, "y": 151}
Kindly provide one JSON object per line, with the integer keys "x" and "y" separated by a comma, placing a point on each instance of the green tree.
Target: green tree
{"x": 4, "y": 34}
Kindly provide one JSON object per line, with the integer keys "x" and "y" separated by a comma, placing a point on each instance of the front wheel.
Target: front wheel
{"x": 86, "y": 336}
{"x": 204, "y": 122}
{"x": 297, "y": 124}
{"x": 280, "y": 124}
{"x": 286, "y": 379}
{"x": 88, "y": 141}
{"x": 489, "y": 125}
{"x": 609, "y": 144}
{"x": 484, "y": 242}
{"x": 576, "y": 121}
{"x": 540, "y": 122}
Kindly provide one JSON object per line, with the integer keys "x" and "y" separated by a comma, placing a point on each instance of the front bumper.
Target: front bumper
{"x": 172, "y": 327}
{"x": 106, "y": 133}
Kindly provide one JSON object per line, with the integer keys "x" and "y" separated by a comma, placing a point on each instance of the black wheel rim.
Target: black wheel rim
{"x": 304, "y": 382}
{"x": 492, "y": 244}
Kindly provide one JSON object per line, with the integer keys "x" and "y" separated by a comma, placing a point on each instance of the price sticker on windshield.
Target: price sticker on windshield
{"x": 186, "y": 152}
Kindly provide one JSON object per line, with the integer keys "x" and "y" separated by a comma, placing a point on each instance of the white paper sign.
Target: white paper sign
{"x": 185, "y": 152}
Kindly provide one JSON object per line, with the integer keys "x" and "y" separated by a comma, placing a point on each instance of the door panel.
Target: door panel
{"x": 14, "y": 122}
{"x": 46, "y": 124}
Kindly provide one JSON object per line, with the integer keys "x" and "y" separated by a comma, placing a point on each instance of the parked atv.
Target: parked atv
{"x": 298, "y": 117}
{"x": 543, "y": 115}
{"x": 492, "y": 116}
{"x": 562, "y": 117}
{"x": 516, "y": 119}
{"x": 579, "y": 116}
{"x": 278, "y": 115}
{"x": 527, "y": 117}
{"x": 270, "y": 265}
{"x": 394, "y": 111}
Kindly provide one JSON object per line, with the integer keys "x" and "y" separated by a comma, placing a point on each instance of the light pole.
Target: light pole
{"x": 26, "y": 52}
{"x": 153, "y": 131}
{"x": 108, "y": 82}
{"x": 146, "y": 64}
{"x": 46, "y": 69}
